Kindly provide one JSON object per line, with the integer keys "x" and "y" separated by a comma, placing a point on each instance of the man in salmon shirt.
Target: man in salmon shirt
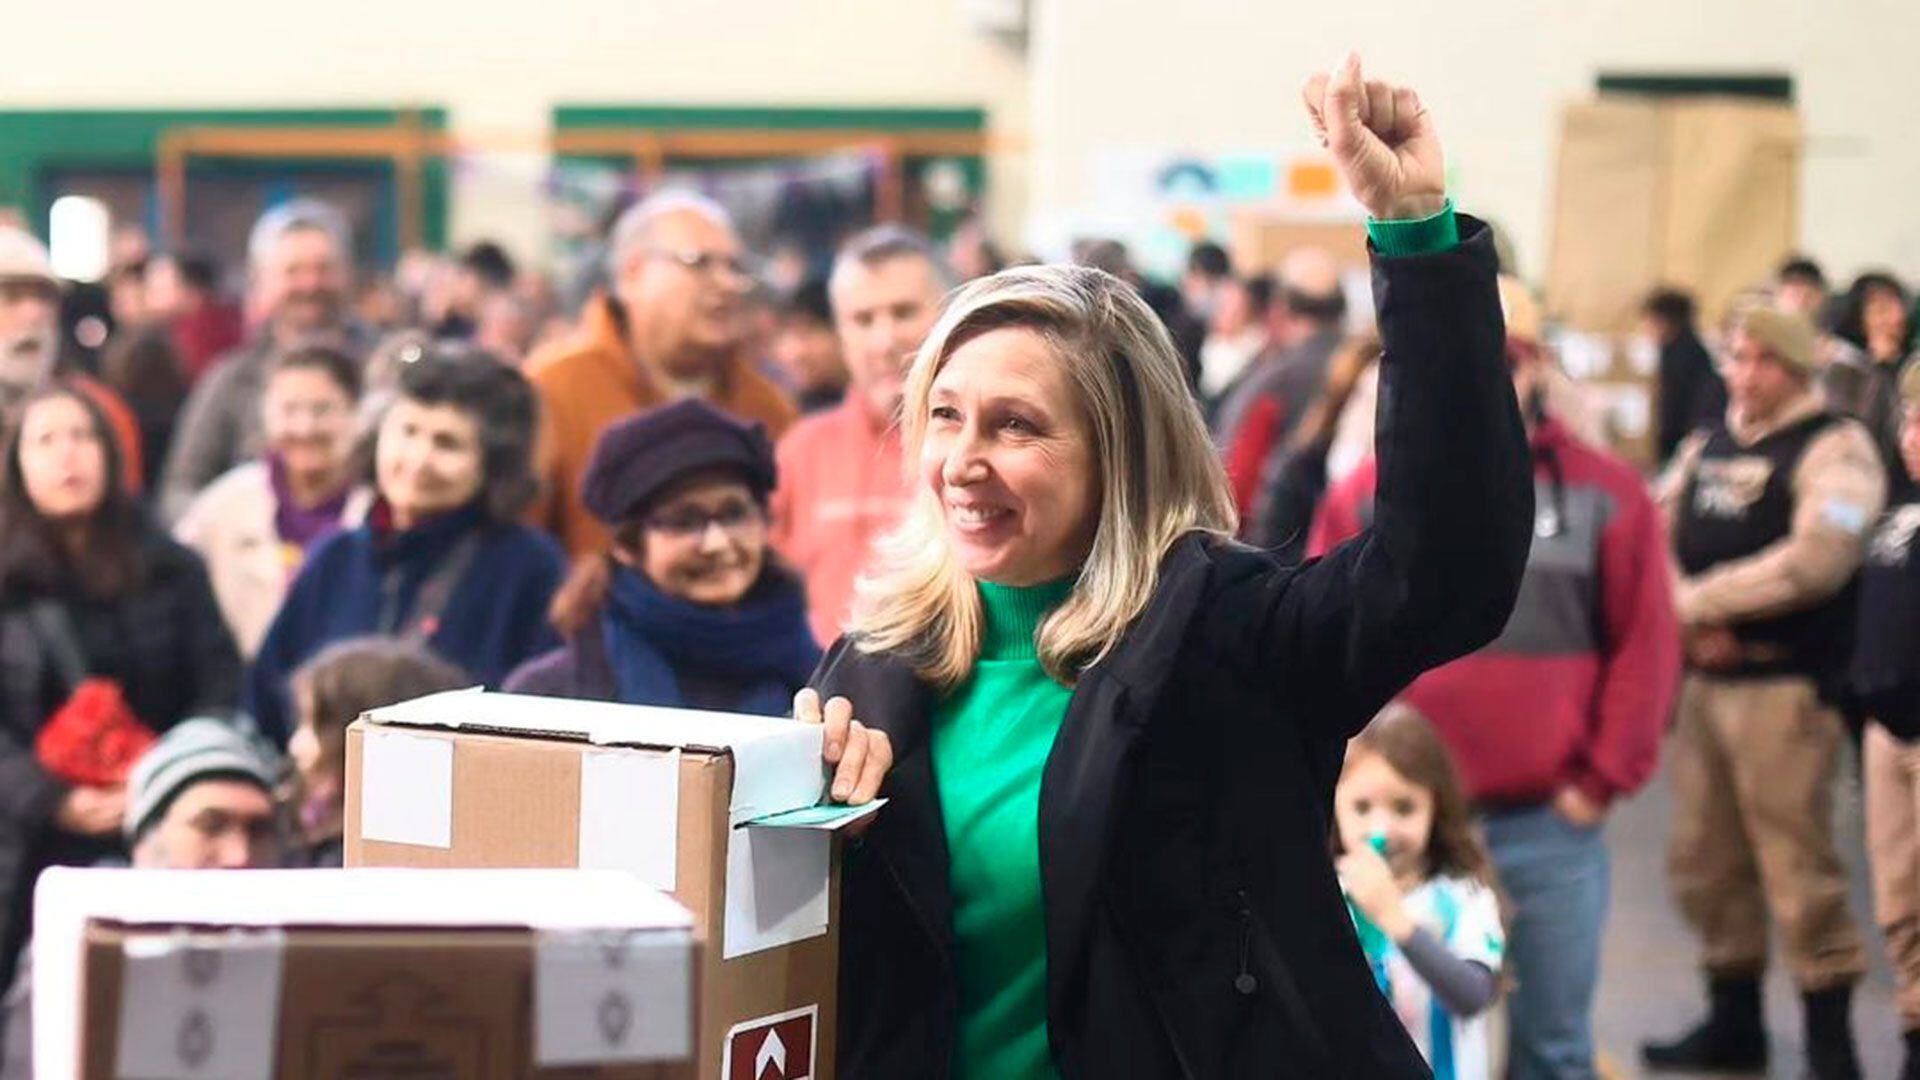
{"x": 841, "y": 483}
{"x": 670, "y": 325}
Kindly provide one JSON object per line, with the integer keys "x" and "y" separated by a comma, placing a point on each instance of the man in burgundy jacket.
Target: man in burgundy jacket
{"x": 1559, "y": 716}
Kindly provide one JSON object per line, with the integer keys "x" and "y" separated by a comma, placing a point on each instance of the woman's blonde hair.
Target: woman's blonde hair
{"x": 1158, "y": 473}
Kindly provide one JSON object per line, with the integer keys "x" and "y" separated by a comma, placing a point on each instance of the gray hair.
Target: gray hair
{"x": 638, "y": 221}
{"x": 882, "y": 243}
{"x": 1103, "y": 253}
{"x": 292, "y": 216}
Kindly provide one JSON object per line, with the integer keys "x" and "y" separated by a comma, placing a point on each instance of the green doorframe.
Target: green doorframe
{"x": 664, "y": 121}
{"x": 36, "y": 143}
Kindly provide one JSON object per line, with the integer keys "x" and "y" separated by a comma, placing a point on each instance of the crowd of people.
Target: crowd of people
{"x": 245, "y": 520}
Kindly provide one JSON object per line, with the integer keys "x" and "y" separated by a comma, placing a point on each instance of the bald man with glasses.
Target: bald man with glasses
{"x": 670, "y": 325}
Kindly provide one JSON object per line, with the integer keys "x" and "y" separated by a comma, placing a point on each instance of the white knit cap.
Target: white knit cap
{"x": 24, "y": 258}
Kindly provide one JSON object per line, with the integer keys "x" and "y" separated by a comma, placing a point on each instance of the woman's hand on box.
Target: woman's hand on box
{"x": 860, "y": 755}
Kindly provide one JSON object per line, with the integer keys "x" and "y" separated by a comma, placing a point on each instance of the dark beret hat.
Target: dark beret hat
{"x": 639, "y": 458}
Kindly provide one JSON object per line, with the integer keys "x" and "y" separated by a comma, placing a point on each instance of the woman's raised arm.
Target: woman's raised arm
{"x": 1436, "y": 575}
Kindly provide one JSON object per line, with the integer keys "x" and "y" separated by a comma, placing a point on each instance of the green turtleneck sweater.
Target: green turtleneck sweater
{"x": 991, "y": 737}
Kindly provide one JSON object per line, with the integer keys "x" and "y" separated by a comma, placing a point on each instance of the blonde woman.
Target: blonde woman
{"x": 1116, "y": 731}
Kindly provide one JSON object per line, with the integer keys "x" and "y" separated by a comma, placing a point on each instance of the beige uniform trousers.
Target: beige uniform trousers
{"x": 1892, "y": 771}
{"x": 1753, "y": 767}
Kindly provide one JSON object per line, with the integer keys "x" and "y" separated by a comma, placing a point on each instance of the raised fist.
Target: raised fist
{"x": 1383, "y": 140}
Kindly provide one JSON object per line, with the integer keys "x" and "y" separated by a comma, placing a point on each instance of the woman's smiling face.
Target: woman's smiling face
{"x": 705, "y": 543}
{"x": 1009, "y": 455}
{"x": 428, "y": 460}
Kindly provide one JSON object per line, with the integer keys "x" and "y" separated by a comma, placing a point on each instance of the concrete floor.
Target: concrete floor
{"x": 1650, "y": 984}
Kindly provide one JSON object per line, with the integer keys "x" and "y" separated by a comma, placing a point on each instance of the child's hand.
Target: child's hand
{"x": 1369, "y": 881}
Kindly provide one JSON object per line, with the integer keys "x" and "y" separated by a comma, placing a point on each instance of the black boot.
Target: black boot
{"x": 1731, "y": 1039}
{"x": 1830, "y": 1053}
{"x": 1912, "y": 1069}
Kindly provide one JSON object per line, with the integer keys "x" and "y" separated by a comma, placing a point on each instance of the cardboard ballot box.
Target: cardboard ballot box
{"x": 322, "y": 974}
{"x": 716, "y": 808}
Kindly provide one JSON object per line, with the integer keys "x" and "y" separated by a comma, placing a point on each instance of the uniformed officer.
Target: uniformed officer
{"x": 1768, "y": 513}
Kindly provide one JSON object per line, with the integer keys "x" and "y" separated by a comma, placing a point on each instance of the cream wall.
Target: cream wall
{"x": 499, "y": 66}
{"x": 1198, "y": 74}
{"x": 1222, "y": 76}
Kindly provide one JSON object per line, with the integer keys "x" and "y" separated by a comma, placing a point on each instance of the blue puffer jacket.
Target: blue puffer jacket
{"x": 494, "y": 619}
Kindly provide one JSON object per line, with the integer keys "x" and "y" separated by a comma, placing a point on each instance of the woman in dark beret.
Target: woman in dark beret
{"x": 689, "y": 608}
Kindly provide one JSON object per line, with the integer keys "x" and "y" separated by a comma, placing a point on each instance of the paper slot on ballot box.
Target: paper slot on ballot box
{"x": 776, "y": 888}
{"x": 777, "y": 876}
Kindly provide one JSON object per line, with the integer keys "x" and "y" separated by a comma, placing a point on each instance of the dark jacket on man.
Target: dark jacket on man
{"x": 1883, "y": 678}
{"x": 1292, "y": 485}
{"x": 1195, "y": 927}
{"x": 1264, "y": 411}
{"x": 165, "y": 645}
{"x": 1692, "y": 394}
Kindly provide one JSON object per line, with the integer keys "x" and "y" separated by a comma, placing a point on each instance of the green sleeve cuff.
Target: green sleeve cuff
{"x": 1423, "y": 236}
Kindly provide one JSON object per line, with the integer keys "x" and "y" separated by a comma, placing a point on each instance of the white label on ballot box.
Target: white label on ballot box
{"x": 195, "y": 1006}
{"x": 406, "y": 789}
{"x": 606, "y": 997}
{"x": 630, "y": 813}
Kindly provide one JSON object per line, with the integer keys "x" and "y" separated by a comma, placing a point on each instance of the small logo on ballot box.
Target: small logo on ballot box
{"x": 778, "y": 1047}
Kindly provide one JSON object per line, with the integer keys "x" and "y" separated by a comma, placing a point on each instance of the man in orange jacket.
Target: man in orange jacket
{"x": 670, "y": 326}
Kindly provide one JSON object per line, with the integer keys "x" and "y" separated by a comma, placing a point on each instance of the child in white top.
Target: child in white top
{"x": 1421, "y": 888}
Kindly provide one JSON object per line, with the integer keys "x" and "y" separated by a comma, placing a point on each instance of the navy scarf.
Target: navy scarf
{"x": 762, "y": 642}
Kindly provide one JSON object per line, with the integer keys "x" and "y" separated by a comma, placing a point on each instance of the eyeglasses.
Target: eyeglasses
{"x": 687, "y": 522}
{"x": 214, "y": 824}
{"x": 709, "y": 263}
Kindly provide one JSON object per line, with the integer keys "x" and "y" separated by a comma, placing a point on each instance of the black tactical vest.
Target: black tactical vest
{"x": 1739, "y": 501}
